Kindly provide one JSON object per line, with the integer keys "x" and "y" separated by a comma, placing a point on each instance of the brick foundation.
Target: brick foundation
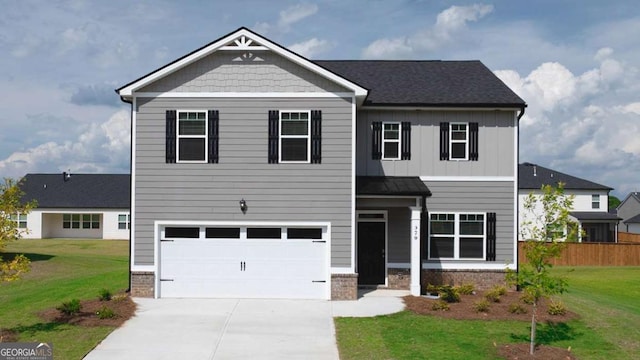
{"x": 344, "y": 286}
{"x": 481, "y": 279}
{"x": 399, "y": 279}
{"x": 142, "y": 284}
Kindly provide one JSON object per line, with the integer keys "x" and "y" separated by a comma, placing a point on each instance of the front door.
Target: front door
{"x": 371, "y": 253}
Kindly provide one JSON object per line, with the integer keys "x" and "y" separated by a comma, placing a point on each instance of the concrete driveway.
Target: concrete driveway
{"x": 238, "y": 329}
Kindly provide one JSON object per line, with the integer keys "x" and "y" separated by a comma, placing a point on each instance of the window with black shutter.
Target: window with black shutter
{"x": 376, "y": 140}
{"x": 213, "y": 119}
{"x": 170, "y": 141}
{"x": 491, "y": 236}
{"x": 459, "y": 141}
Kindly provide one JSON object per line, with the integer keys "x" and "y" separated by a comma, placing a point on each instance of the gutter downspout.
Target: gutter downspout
{"x": 131, "y": 185}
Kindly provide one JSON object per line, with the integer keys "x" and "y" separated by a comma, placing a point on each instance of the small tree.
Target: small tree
{"x": 545, "y": 230}
{"x": 10, "y": 205}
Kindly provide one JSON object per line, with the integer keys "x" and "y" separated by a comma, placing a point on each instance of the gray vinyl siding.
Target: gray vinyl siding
{"x": 495, "y": 138}
{"x": 230, "y": 72}
{"x": 273, "y": 192}
{"x": 479, "y": 196}
{"x": 629, "y": 209}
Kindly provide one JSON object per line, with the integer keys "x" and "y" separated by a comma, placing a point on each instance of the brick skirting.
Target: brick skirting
{"x": 481, "y": 279}
{"x": 142, "y": 284}
{"x": 399, "y": 279}
{"x": 344, "y": 286}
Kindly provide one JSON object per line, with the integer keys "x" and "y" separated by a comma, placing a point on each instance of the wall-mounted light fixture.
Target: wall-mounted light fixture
{"x": 243, "y": 206}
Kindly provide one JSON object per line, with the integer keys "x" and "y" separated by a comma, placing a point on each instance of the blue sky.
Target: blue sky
{"x": 576, "y": 63}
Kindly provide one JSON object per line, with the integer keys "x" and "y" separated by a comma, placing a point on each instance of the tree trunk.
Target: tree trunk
{"x": 533, "y": 329}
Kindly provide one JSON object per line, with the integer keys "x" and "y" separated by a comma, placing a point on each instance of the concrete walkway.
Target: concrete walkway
{"x": 236, "y": 328}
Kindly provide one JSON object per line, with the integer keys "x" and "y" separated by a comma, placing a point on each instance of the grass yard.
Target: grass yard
{"x": 605, "y": 297}
{"x": 62, "y": 270}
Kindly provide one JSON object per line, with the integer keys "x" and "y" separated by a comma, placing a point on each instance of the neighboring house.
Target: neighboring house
{"x": 260, "y": 173}
{"x": 590, "y": 204}
{"x": 629, "y": 211}
{"x": 90, "y": 206}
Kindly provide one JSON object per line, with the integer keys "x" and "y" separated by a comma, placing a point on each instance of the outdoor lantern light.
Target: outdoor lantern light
{"x": 243, "y": 206}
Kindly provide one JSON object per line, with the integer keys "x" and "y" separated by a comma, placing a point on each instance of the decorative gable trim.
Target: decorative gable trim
{"x": 241, "y": 39}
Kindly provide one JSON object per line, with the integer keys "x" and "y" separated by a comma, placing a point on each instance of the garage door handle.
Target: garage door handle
{"x": 243, "y": 266}
{"x": 319, "y": 241}
{"x": 164, "y": 240}
{"x": 166, "y": 279}
{"x": 318, "y": 281}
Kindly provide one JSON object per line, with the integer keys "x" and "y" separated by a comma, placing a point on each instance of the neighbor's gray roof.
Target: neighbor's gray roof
{"x": 532, "y": 176}
{"x": 633, "y": 220}
{"x": 80, "y": 191}
{"x": 426, "y": 83}
{"x": 391, "y": 185}
{"x": 594, "y": 215}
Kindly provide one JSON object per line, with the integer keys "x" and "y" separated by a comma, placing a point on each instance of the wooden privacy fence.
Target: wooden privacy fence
{"x": 594, "y": 254}
{"x": 625, "y": 237}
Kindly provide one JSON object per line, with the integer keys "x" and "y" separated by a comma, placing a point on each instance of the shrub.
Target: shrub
{"x": 556, "y": 307}
{"x": 481, "y": 305}
{"x": 432, "y": 289}
{"x": 449, "y": 294}
{"x": 71, "y": 307}
{"x": 492, "y": 295}
{"x": 527, "y": 298}
{"x": 119, "y": 297}
{"x": 105, "y": 313}
{"x": 440, "y": 305}
{"x": 465, "y": 289}
{"x": 105, "y": 295}
{"x": 500, "y": 289}
{"x": 517, "y": 308}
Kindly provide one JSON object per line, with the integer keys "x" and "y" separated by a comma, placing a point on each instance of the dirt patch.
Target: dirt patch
{"x": 8, "y": 336}
{"x": 542, "y": 352}
{"x": 122, "y": 306}
{"x": 465, "y": 310}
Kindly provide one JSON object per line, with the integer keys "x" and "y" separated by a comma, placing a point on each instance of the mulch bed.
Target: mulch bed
{"x": 464, "y": 310}
{"x": 124, "y": 308}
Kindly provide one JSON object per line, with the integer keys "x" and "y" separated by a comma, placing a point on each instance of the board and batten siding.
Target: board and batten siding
{"x": 273, "y": 192}
{"x": 495, "y": 139}
{"x": 231, "y": 72}
{"x": 479, "y": 196}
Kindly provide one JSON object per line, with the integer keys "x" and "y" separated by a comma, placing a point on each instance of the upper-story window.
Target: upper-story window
{"x": 391, "y": 140}
{"x": 192, "y": 136}
{"x": 459, "y": 141}
{"x": 595, "y": 201}
{"x": 295, "y": 139}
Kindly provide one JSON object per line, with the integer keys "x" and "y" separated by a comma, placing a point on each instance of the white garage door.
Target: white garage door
{"x": 244, "y": 262}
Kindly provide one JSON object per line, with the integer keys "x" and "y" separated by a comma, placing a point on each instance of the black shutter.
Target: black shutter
{"x": 473, "y": 141}
{"x": 274, "y": 117}
{"x": 406, "y": 141}
{"x": 491, "y": 236}
{"x": 376, "y": 141}
{"x": 444, "y": 141}
{"x": 316, "y": 136}
{"x": 170, "y": 142}
{"x": 213, "y": 119}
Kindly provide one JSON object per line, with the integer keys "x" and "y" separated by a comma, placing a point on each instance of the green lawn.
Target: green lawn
{"x": 62, "y": 270}
{"x": 606, "y": 298}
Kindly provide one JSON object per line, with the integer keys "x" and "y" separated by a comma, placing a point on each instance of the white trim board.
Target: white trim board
{"x": 455, "y": 266}
{"x": 468, "y": 178}
{"x": 243, "y": 95}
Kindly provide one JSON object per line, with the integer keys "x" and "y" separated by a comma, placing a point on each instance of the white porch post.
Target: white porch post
{"x": 416, "y": 266}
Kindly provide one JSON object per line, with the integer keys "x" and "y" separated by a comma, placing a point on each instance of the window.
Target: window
{"x": 81, "y": 221}
{"x": 182, "y": 232}
{"x": 459, "y": 141}
{"x": 304, "y": 233}
{"x": 91, "y": 221}
{"x": 295, "y": 128}
{"x": 391, "y": 141}
{"x": 222, "y": 233}
{"x": 595, "y": 201}
{"x": 124, "y": 221}
{"x": 457, "y": 236}
{"x": 20, "y": 220}
{"x": 192, "y": 136}
{"x": 264, "y": 233}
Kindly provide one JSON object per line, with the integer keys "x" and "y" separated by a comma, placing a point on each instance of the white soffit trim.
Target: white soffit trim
{"x": 222, "y": 43}
{"x": 438, "y": 108}
{"x": 467, "y": 178}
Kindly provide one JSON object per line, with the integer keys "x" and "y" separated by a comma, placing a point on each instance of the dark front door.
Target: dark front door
{"x": 371, "y": 253}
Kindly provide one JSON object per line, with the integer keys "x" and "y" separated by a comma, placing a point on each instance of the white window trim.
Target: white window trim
{"x": 465, "y": 141}
{"x": 398, "y": 140}
{"x": 16, "y": 218}
{"x": 308, "y": 137}
{"x": 456, "y": 235}
{"x": 595, "y": 200}
{"x": 127, "y": 221}
{"x": 205, "y": 137}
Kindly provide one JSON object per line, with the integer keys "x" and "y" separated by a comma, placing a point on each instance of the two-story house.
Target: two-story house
{"x": 590, "y": 208}
{"x": 259, "y": 173}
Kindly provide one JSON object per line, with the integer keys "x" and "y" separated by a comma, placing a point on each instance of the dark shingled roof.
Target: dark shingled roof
{"x": 594, "y": 215}
{"x": 633, "y": 220}
{"x": 80, "y": 191}
{"x": 532, "y": 176}
{"x": 391, "y": 185}
{"x": 426, "y": 83}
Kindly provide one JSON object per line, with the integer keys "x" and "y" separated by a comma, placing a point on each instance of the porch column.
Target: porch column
{"x": 416, "y": 266}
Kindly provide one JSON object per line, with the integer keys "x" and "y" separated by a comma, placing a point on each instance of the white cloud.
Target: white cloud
{"x": 287, "y": 18}
{"x": 311, "y": 48}
{"x": 447, "y": 28}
